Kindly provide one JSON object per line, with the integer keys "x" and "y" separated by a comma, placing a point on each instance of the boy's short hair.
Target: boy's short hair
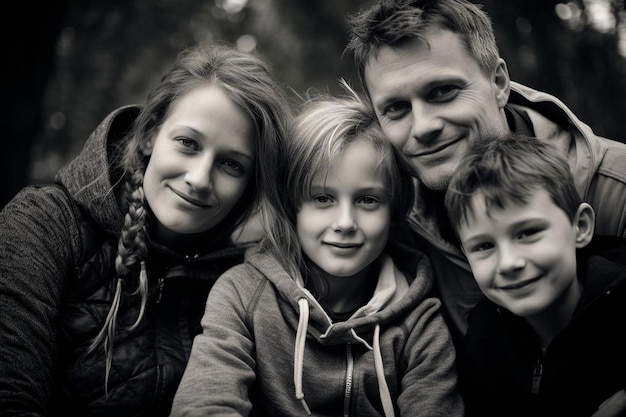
{"x": 507, "y": 170}
{"x": 394, "y": 22}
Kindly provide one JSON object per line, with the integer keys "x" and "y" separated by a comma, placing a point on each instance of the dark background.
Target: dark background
{"x": 70, "y": 62}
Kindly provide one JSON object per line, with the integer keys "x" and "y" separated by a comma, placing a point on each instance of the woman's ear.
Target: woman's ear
{"x": 585, "y": 222}
{"x": 147, "y": 148}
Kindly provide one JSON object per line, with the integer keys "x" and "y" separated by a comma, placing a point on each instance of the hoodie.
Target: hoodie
{"x": 269, "y": 349}
{"x": 599, "y": 169}
{"x": 507, "y": 373}
{"x": 57, "y": 279}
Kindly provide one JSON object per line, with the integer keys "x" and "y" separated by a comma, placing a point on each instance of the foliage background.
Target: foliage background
{"x": 71, "y": 62}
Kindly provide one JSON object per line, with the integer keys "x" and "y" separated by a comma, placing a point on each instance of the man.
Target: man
{"x": 437, "y": 83}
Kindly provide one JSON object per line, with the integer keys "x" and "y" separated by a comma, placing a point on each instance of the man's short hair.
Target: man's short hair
{"x": 394, "y": 22}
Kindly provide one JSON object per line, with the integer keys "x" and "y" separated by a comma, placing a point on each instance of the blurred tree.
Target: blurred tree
{"x": 561, "y": 48}
{"x": 110, "y": 52}
{"x": 318, "y": 34}
{"x": 29, "y": 63}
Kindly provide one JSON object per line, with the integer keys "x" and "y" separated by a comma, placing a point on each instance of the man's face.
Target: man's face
{"x": 432, "y": 101}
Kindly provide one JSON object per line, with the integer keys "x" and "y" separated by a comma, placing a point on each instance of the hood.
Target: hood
{"x": 89, "y": 177}
{"x": 92, "y": 181}
{"x": 394, "y": 296}
{"x": 555, "y": 123}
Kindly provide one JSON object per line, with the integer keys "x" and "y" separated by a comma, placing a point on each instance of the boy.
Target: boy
{"x": 434, "y": 75}
{"x": 542, "y": 343}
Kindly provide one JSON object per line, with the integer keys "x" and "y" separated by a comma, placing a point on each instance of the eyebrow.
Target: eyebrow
{"x": 241, "y": 154}
{"x": 369, "y": 189}
{"x": 185, "y": 128}
{"x": 442, "y": 79}
{"x": 513, "y": 226}
{"x": 475, "y": 238}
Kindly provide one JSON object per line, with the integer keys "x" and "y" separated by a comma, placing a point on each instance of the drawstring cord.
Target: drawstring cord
{"x": 383, "y": 389}
{"x": 303, "y": 323}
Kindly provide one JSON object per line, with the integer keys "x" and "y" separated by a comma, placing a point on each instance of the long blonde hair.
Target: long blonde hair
{"x": 322, "y": 130}
{"x": 248, "y": 82}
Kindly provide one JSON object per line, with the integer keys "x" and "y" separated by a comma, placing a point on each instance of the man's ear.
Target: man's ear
{"x": 585, "y": 222}
{"x": 502, "y": 83}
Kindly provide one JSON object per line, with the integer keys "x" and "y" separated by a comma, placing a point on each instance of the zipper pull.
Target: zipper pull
{"x": 190, "y": 258}
{"x": 161, "y": 285}
{"x": 537, "y": 377}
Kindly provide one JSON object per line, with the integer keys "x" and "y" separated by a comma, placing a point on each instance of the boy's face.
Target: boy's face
{"x": 523, "y": 257}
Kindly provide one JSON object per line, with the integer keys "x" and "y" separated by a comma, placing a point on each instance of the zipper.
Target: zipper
{"x": 161, "y": 282}
{"x": 158, "y": 387}
{"x": 349, "y": 372}
{"x": 537, "y": 373}
{"x": 161, "y": 285}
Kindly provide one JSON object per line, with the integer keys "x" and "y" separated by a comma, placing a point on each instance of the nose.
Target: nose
{"x": 426, "y": 124}
{"x": 510, "y": 261}
{"x": 344, "y": 219}
{"x": 199, "y": 174}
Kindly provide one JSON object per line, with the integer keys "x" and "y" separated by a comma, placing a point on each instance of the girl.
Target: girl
{"x": 104, "y": 278}
{"x": 327, "y": 318}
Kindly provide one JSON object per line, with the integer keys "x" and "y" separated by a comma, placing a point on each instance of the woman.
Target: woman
{"x": 104, "y": 277}
{"x": 331, "y": 317}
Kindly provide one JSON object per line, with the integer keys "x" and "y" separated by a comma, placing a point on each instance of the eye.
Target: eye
{"x": 528, "y": 233}
{"x": 233, "y": 167}
{"x": 188, "y": 144}
{"x": 481, "y": 247}
{"x": 369, "y": 202}
{"x": 397, "y": 110}
{"x": 322, "y": 200}
{"x": 444, "y": 93}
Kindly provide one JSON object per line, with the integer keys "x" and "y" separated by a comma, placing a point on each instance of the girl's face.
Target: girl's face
{"x": 344, "y": 225}
{"x": 202, "y": 159}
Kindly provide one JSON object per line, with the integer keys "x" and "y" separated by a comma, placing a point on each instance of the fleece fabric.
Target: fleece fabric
{"x": 269, "y": 349}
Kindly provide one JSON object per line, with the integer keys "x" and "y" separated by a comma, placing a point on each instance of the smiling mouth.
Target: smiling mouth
{"x": 520, "y": 284}
{"x": 437, "y": 149}
{"x": 190, "y": 200}
{"x": 343, "y": 245}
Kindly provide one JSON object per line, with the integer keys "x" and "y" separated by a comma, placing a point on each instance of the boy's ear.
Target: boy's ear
{"x": 585, "y": 222}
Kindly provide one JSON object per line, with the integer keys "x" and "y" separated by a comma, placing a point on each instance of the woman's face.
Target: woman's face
{"x": 202, "y": 159}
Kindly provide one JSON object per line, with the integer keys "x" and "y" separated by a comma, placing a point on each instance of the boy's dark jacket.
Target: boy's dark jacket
{"x": 57, "y": 279}
{"x": 583, "y": 366}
